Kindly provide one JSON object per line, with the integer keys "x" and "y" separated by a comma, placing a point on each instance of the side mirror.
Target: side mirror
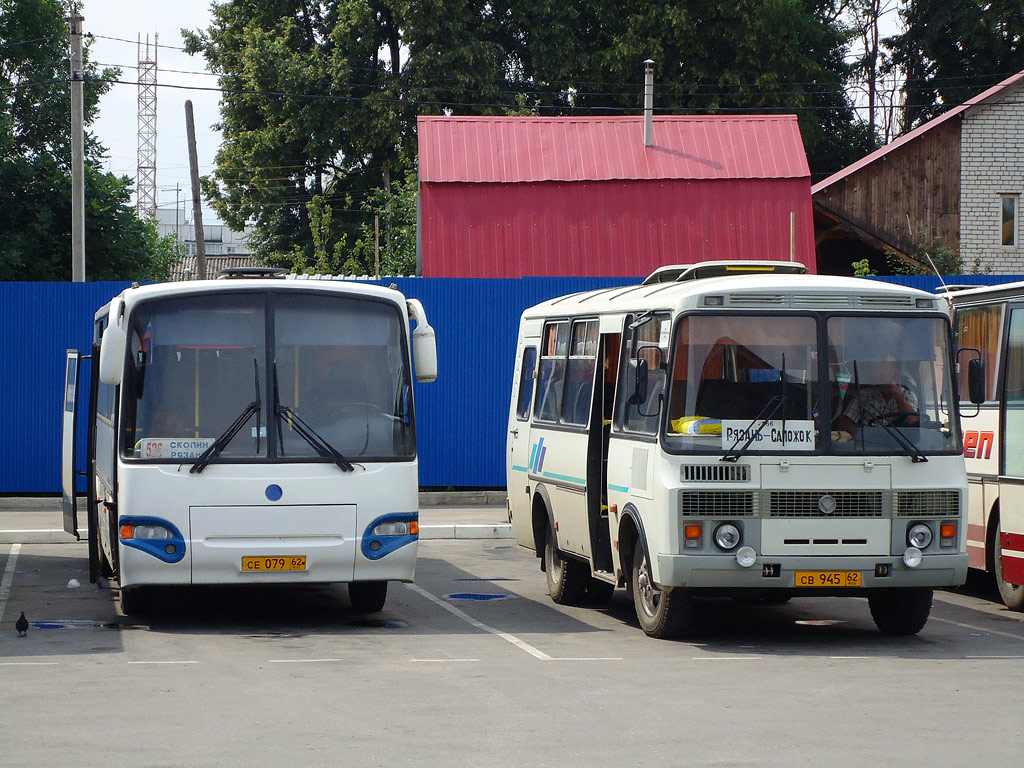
{"x": 638, "y": 373}
{"x": 424, "y": 344}
{"x": 976, "y": 380}
{"x": 112, "y": 346}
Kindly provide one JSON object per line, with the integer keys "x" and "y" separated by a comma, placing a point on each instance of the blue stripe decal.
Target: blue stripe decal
{"x": 567, "y": 478}
{"x": 533, "y": 452}
{"x": 520, "y": 469}
{"x": 618, "y": 488}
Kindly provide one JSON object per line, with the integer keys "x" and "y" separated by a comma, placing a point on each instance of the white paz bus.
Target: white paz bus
{"x": 741, "y": 430}
{"x": 251, "y": 430}
{"x": 989, "y": 325}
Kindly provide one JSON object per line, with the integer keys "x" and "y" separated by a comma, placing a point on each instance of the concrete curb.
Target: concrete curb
{"x": 427, "y": 532}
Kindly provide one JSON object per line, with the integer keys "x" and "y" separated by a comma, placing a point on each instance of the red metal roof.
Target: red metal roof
{"x": 982, "y": 98}
{"x": 540, "y": 149}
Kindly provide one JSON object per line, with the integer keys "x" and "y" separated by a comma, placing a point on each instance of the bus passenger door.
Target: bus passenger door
{"x": 69, "y": 463}
{"x": 597, "y": 452}
{"x": 517, "y": 461}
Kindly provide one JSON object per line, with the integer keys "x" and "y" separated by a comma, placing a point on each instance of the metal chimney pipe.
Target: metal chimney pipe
{"x": 649, "y": 103}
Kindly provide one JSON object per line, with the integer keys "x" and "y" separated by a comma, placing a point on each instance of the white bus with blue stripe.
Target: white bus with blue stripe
{"x": 744, "y": 430}
{"x": 251, "y": 430}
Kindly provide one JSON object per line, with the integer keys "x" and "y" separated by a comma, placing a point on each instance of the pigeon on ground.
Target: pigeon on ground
{"x": 21, "y": 625}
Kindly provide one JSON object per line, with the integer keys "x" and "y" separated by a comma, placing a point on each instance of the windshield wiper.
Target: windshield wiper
{"x": 915, "y": 453}
{"x": 775, "y": 403}
{"x": 306, "y": 432}
{"x": 218, "y": 445}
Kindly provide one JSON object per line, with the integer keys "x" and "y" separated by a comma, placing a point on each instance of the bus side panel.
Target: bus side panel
{"x": 561, "y": 464}
{"x": 981, "y": 458}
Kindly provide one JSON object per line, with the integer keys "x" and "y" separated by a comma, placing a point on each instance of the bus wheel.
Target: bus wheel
{"x": 900, "y": 611}
{"x": 133, "y": 600}
{"x": 367, "y": 596}
{"x": 1012, "y": 594}
{"x": 663, "y": 613}
{"x": 567, "y": 578}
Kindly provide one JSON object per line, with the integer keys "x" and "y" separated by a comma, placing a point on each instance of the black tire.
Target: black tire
{"x": 900, "y": 611}
{"x": 663, "y": 614}
{"x": 567, "y": 578}
{"x": 133, "y": 600}
{"x": 367, "y": 596}
{"x": 599, "y": 593}
{"x": 1012, "y": 595}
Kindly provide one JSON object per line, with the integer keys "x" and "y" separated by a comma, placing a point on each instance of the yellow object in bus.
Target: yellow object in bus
{"x": 697, "y": 425}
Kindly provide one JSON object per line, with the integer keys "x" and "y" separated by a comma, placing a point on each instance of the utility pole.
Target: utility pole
{"x": 77, "y": 151}
{"x": 197, "y": 200}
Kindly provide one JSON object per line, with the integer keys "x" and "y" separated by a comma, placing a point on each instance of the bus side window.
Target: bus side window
{"x": 527, "y": 375}
{"x": 551, "y": 376}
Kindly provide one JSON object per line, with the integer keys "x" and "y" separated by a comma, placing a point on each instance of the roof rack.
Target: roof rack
{"x": 675, "y": 273}
{"x": 234, "y": 273}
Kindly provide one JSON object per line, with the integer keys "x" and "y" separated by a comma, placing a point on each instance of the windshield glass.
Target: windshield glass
{"x": 340, "y": 366}
{"x": 893, "y": 386}
{"x": 198, "y": 364}
{"x": 733, "y": 375}
{"x": 192, "y": 369}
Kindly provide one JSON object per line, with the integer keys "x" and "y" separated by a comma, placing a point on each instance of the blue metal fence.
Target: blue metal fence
{"x": 461, "y": 417}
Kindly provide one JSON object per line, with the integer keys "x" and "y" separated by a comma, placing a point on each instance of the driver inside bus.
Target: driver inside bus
{"x": 880, "y": 396}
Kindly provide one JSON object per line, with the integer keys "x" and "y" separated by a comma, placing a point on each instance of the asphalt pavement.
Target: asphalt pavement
{"x": 443, "y": 515}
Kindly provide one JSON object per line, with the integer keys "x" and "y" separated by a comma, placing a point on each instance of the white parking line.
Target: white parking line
{"x": 5, "y": 582}
{"x": 986, "y": 630}
{"x": 28, "y": 663}
{"x": 522, "y": 645}
{"x": 537, "y": 654}
{"x": 163, "y": 662}
{"x": 301, "y": 661}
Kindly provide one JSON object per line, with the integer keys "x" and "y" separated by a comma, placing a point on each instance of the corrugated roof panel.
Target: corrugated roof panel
{"x": 533, "y": 149}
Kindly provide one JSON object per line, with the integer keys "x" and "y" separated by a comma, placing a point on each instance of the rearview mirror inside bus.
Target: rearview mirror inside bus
{"x": 976, "y": 380}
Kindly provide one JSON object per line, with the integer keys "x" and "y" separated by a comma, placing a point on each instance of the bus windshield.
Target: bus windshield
{"x": 759, "y": 383}
{"x": 198, "y": 365}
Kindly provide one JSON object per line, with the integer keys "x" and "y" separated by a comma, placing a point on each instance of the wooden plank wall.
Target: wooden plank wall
{"x": 921, "y": 180}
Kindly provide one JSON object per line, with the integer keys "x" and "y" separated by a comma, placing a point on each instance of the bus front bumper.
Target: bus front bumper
{"x": 723, "y": 573}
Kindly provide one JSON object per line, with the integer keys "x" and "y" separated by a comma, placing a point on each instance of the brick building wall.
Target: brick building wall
{"x": 992, "y": 152}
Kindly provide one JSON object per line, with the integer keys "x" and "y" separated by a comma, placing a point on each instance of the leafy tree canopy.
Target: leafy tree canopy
{"x": 320, "y": 99}
{"x": 35, "y": 161}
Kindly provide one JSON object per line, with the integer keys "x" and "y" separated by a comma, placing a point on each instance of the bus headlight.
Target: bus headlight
{"x": 727, "y": 537}
{"x": 912, "y": 557}
{"x": 396, "y": 528}
{"x": 919, "y": 536}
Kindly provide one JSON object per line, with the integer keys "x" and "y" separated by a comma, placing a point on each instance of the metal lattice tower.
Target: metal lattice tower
{"x": 145, "y": 178}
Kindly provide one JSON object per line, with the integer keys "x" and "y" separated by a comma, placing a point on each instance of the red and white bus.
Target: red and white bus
{"x": 989, "y": 327}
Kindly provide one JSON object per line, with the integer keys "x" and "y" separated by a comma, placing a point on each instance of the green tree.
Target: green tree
{"x": 953, "y": 49}
{"x": 321, "y": 98}
{"x": 35, "y": 161}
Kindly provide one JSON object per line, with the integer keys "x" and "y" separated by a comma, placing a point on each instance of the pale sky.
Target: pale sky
{"x": 116, "y": 27}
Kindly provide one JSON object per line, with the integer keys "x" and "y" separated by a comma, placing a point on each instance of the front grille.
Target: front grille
{"x": 717, "y": 504}
{"x": 716, "y": 473}
{"x": 806, "y": 504}
{"x": 927, "y": 503}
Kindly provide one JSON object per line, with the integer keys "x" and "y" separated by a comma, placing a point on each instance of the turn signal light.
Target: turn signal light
{"x": 127, "y": 531}
{"x": 692, "y": 535}
{"x": 947, "y": 535}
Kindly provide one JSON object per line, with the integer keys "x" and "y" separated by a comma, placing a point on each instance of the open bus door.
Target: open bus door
{"x": 69, "y": 472}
